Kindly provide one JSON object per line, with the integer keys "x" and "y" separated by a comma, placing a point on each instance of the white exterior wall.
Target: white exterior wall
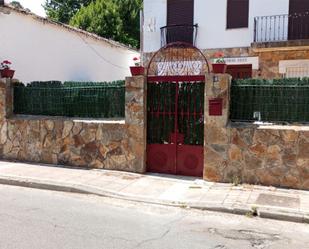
{"x": 43, "y": 51}
{"x": 210, "y": 15}
{"x": 155, "y": 14}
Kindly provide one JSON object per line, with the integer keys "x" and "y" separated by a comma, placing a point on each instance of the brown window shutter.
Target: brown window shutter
{"x": 237, "y": 14}
{"x": 180, "y": 12}
{"x": 298, "y": 6}
{"x": 298, "y": 20}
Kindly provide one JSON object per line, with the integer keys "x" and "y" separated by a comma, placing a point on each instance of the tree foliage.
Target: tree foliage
{"x": 115, "y": 19}
{"x": 100, "y": 17}
{"x": 63, "y": 10}
{"x": 18, "y": 5}
{"x": 130, "y": 15}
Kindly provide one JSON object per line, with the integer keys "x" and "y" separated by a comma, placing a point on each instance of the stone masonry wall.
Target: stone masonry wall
{"x": 118, "y": 145}
{"x": 277, "y": 156}
{"x": 255, "y": 154}
{"x": 268, "y": 155}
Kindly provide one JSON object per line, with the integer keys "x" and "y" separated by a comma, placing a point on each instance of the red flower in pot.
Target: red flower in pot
{"x": 137, "y": 69}
{"x": 219, "y": 65}
{"x": 5, "y": 70}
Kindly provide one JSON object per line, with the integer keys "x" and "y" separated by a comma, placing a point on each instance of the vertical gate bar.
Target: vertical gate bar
{"x": 183, "y": 104}
{"x": 180, "y": 106}
{"x": 188, "y": 113}
{"x": 180, "y": 112}
{"x": 183, "y": 109}
{"x": 171, "y": 123}
{"x": 154, "y": 121}
{"x": 202, "y": 114}
{"x": 198, "y": 110}
{"x": 160, "y": 114}
{"x": 164, "y": 112}
{"x": 194, "y": 117}
{"x": 152, "y": 114}
{"x": 176, "y": 123}
{"x": 158, "y": 111}
{"x": 149, "y": 115}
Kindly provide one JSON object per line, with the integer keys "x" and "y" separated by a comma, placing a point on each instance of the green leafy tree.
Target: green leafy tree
{"x": 63, "y": 10}
{"x": 101, "y": 17}
{"x": 130, "y": 15}
{"x": 115, "y": 19}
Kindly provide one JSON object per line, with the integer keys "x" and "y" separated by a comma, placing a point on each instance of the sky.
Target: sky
{"x": 34, "y": 5}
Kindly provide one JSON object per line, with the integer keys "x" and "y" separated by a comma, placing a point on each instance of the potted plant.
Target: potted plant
{"x": 137, "y": 69}
{"x": 219, "y": 65}
{"x": 5, "y": 70}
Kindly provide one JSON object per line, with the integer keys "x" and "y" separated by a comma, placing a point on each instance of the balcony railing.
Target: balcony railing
{"x": 178, "y": 33}
{"x": 281, "y": 27}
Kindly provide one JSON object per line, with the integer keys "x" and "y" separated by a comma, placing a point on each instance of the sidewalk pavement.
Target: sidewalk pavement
{"x": 266, "y": 202}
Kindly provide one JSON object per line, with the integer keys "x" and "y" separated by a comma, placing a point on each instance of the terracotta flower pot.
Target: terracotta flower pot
{"x": 137, "y": 70}
{"x": 7, "y": 73}
{"x": 219, "y": 67}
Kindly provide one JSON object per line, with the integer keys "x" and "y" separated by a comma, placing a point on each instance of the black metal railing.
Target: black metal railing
{"x": 281, "y": 27}
{"x": 178, "y": 33}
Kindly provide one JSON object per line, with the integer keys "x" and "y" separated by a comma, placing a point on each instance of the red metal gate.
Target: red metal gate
{"x": 175, "y": 110}
{"x": 175, "y": 119}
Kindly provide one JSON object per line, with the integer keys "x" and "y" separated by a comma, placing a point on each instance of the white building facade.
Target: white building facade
{"x": 42, "y": 50}
{"x": 262, "y": 34}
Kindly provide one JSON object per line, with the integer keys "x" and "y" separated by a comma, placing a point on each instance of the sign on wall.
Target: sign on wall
{"x": 254, "y": 61}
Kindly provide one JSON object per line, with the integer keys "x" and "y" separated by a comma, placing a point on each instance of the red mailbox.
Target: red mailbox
{"x": 215, "y": 107}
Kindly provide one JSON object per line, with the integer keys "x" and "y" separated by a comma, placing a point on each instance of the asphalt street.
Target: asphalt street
{"x": 39, "y": 219}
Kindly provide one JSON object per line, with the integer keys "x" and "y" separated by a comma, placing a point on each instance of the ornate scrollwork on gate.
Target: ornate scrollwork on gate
{"x": 178, "y": 59}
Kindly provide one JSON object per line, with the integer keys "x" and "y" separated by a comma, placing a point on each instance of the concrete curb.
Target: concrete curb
{"x": 263, "y": 212}
{"x": 282, "y": 215}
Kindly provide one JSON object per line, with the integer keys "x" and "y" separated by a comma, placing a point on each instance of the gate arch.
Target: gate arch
{"x": 175, "y": 110}
{"x": 178, "y": 59}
